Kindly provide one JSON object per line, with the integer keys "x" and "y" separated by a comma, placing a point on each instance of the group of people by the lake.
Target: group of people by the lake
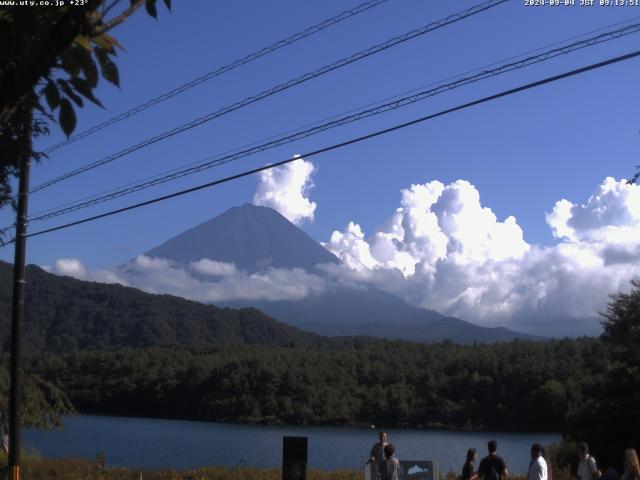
{"x": 493, "y": 467}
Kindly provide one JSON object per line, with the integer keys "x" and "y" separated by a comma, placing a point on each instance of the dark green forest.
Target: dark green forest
{"x": 63, "y": 314}
{"x": 518, "y": 385}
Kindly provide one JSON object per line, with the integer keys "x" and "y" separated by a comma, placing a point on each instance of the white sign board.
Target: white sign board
{"x": 409, "y": 470}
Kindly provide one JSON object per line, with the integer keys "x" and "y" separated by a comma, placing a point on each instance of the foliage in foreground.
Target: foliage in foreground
{"x": 610, "y": 417}
{"x": 42, "y": 402}
{"x": 57, "y": 54}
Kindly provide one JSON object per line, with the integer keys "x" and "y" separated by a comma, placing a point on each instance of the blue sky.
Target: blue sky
{"x": 522, "y": 153}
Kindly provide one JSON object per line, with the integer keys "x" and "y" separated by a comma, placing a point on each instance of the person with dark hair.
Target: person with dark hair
{"x": 493, "y": 467}
{"x": 468, "y": 471}
{"x": 538, "y": 465}
{"x": 609, "y": 471}
{"x": 376, "y": 456}
{"x": 547, "y": 458}
{"x": 587, "y": 468}
{"x": 391, "y": 469}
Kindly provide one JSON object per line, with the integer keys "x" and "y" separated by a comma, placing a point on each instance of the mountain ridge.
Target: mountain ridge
{"x": 64, "y": 314}
{"x": 250, "y": 236}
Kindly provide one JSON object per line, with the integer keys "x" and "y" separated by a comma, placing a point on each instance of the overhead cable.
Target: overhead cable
{"x": 352, "y": 141}
{"x": 277, "y": 89}
{"x": 386, "y": 107}
{"x": 220, "y": 71}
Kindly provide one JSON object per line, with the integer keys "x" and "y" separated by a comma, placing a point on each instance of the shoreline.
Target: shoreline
{"x": 435, "y": 427}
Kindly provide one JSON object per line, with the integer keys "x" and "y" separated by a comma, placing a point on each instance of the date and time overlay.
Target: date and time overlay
{"x": 526, "y": 3}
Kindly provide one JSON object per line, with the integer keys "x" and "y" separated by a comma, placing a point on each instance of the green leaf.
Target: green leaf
{"x": 67, "y": 117}
{"x": 168, "y": 4}
{"x": 90, "y": 71}
{"x": 68, "y": 91}
{"x": 112, "y": 41}
{"x": 108, "y": 68}
{"x": 83, "y": 41}
{"x": 150, "y": 6}
{"x": 83, "y": 88}
{"x": 69, "y": 62}
{"x": 103, "y": 43}
{"x": 52, "y": 95}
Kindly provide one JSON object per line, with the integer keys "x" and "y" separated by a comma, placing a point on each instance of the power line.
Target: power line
{"x": 332, "y": 117}
{"x": 220, "y": 71}
{"x": 352, "y": 141}
{"x": 386, "y": 107}
{"x": 279, "y": 88}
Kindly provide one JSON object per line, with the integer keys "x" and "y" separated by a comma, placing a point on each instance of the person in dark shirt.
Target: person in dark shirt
{"x": 377, "y": 456}
{"x": 493, "y": 467}
{"x": 468, "y": 471}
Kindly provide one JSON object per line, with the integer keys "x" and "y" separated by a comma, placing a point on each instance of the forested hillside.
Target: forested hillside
{"x": 517, "y": 385}
{"x": 64, "y": 314}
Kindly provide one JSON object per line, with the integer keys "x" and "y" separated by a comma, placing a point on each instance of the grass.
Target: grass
{"x": 77, "y": 469}
{"x": 36, "y": 468}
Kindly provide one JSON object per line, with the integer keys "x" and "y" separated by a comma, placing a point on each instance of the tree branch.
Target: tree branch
{"x": 108, "y": 9}
{"x": 100, "y": 29}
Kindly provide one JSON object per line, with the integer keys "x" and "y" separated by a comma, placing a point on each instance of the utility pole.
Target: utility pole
{"x": 17, "y": 310}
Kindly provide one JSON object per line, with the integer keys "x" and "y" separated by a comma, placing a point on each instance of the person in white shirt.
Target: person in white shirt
{"x": 391, "y": 470}
{"x": 587, "y": 469}
{"x": 538, "y": 465}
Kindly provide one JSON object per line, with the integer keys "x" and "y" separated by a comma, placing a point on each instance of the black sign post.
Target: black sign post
{"x": 294, "y": 458}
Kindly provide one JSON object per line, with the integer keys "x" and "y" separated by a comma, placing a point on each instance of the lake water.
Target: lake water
{"x": 156, "y": 443}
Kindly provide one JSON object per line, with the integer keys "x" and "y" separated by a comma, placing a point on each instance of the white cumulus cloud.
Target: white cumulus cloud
{"x": 286, "y": 189}
{"x": 455, "y": 256}
{"x": 69, "y": 267}
{"x": 612, "y": 213}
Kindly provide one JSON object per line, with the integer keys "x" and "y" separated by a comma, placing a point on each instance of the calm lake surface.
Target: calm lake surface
{"x": 156, "y": 443}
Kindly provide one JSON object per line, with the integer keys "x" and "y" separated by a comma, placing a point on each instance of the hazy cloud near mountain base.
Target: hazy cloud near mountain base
{"x": 205, "y": 280}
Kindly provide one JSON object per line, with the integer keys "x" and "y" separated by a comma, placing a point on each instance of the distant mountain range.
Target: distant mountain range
{"x": 255, "y": 238}
{"x": 372, "y": 312}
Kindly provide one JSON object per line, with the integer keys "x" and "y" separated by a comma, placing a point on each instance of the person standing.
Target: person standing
{"x": 631, "y": 465}
{"x": 377, "y": 456}
{"x": 538, "y": 465}
{"x": 493, "y": 467}
{"x": 4, "y": 468}
{"x": 547, "y": 458}
{"x": 391, "y": 470}
{"x": 469, "y": 471}
{"x": 587, "y": 468}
